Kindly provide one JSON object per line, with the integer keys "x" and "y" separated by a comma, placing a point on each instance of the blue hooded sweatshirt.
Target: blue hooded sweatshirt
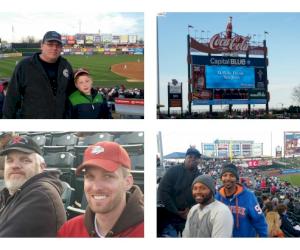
{"x": 249, "y": 220}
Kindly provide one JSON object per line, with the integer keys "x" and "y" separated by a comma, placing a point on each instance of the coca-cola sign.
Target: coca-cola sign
{"x": 236, "y": 43}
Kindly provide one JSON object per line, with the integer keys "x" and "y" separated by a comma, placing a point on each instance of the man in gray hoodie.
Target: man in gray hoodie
{"x": 209, "y": 217}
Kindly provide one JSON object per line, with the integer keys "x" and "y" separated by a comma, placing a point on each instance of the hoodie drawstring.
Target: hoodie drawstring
{"x": 237, "y": 212}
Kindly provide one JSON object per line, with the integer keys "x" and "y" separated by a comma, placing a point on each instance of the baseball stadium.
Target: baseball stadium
{"x": 115, "y": 62}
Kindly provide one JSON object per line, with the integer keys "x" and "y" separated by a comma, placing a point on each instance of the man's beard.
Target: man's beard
{"x": 206, "y": 200}
{"x": 15, "y": 184}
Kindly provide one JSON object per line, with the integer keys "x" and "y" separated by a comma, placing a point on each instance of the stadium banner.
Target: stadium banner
{"x": 291, "y": 143}
{"x": 138, "y": 51}
{"x": 123, "y": 39}
{"x": 132, "y": 39}
{"x": 115, "y": 39}
{"x": 208, "y": 149}
{"x": 290, "y": 171}
{"x": 126, "y": 106}
{"x": 255, "y": 163}
{"x": 257, "y": 149}
{"x": 97, "y": 39}
{"x": 229, "y": 77}
{"x": 7, "y": 55}
{"x": 89, "y": 39}
{"x": 106, "y": 38}
{"x": 246, "y": 150}
{"x": 278, "y": 152}
{"x": 174, "y": 94}
{"x": 228, "y": 61}
{"x": 228, "y": 101}
{"x": 64, "y": 40}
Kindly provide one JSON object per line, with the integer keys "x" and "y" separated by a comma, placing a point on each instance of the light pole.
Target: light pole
{"x": 157, "y": 56}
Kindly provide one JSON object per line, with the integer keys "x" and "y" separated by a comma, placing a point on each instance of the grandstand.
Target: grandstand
{"x": 64, "y": 151}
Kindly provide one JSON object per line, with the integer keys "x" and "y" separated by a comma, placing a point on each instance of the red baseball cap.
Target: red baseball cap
{"x": 107, "y": 155}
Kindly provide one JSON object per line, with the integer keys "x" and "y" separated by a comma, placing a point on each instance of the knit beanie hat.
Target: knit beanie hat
{"x": 232, "y": 169}
{"x": 207, "y": 180}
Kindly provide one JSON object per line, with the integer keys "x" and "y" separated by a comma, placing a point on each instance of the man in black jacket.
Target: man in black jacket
{"x": 175, "y": 195}
{"x": 30, "y": 205}
{"x": 40, "y": 84}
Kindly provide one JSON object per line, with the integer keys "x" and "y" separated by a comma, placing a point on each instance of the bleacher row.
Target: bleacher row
{"x": 64, "y": 151}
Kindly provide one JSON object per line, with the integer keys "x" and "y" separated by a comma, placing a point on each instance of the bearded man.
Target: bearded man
{"x": 209, "y": 218}
{"x": 30, "y": 203}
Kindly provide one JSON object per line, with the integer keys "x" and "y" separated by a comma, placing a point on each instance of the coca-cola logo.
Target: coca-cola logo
{"x": 237, "y": 43}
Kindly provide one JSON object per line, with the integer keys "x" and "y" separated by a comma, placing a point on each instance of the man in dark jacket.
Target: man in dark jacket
{"x": 30, "y": 205}
{"x": 175, "y": 195}
{"x": 115, "y": 206}
{"x": 40, "y": 84}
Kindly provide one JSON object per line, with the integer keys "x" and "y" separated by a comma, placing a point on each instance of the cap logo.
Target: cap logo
{"x": 19, "y": 139}
{"x": 97, "y": 150}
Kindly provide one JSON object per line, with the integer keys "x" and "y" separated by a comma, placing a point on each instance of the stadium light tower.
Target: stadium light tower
{"x": 161, "y": 14}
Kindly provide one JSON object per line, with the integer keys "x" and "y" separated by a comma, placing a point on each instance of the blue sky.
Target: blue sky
{"x": 282, "y": 41}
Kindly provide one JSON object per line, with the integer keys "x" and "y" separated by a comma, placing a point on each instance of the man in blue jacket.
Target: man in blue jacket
{"x": 249, "y": 220}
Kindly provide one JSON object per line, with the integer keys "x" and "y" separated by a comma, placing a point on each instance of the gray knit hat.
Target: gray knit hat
{"x": 207, "y": 180}
{"x": 232, "y": 169}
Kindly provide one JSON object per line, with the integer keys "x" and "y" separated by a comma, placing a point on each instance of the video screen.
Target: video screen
{"x": 229, "y": 77}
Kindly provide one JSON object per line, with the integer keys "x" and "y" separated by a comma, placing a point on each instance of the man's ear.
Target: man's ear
{"x": 128, "y": 182}
{"x": 43, "y": 166}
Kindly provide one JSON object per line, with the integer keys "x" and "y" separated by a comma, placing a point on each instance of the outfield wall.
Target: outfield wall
{"x": 7, "y": 55}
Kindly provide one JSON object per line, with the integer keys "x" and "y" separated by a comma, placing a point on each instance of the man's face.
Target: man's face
{"x": 229, "y": 180}
{"x": 84, "y": 84}
{"x": 201, "y": 193}
{"x": 106, "y": 191}
{"x": 191, "y": 161}
{"x": 18, "y": 168}
{"x": 51, "y": 51}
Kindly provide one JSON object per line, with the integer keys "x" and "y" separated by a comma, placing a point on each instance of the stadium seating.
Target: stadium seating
{"x": 90, "y": 140}
{"x": 2, "y": 185}
{"x": 137, "y": 162}
{"x": 97, "y": 137}
{"x": 67, "y": 195}
{"x": 138, "y": 177}
{"x": 131, "y": 138}
{"x": 64, "y": 161}
{"x": 62, "y": 142}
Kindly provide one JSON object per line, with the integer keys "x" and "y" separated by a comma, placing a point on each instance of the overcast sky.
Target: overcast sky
{"x": 17, "y": 25}
{"x": 270, "y": 133}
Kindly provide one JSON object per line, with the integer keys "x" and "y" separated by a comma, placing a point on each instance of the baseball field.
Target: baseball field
{"x": 294, "y": 179}
{"x": 128, "y": 69}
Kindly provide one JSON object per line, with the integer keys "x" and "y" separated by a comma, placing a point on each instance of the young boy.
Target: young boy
{"x": 86, "y": 102}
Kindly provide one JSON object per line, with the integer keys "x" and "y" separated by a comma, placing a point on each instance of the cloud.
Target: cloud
{"x": 14, "y": 26}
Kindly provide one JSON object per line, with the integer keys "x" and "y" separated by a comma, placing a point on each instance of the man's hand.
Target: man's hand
{"x": 183, "y": 214}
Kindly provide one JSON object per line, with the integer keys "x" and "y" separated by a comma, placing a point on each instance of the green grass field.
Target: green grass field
{"x": 99, "y": 66}
{"x": 294, "y": 179}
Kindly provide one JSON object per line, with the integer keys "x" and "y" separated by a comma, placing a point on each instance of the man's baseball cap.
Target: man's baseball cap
{"x": 23, "y": 144}
{"x": 80, "y": 71}
{"x": 52, "y": 36}
{"x": 107, "y": 155}
{"x": 193, "y": 151}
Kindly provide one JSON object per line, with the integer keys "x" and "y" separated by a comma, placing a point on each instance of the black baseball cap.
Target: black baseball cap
{"x": 52, "y": 36}
{"x": 23, "y": 144}
{"x": 193, "y": 151}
